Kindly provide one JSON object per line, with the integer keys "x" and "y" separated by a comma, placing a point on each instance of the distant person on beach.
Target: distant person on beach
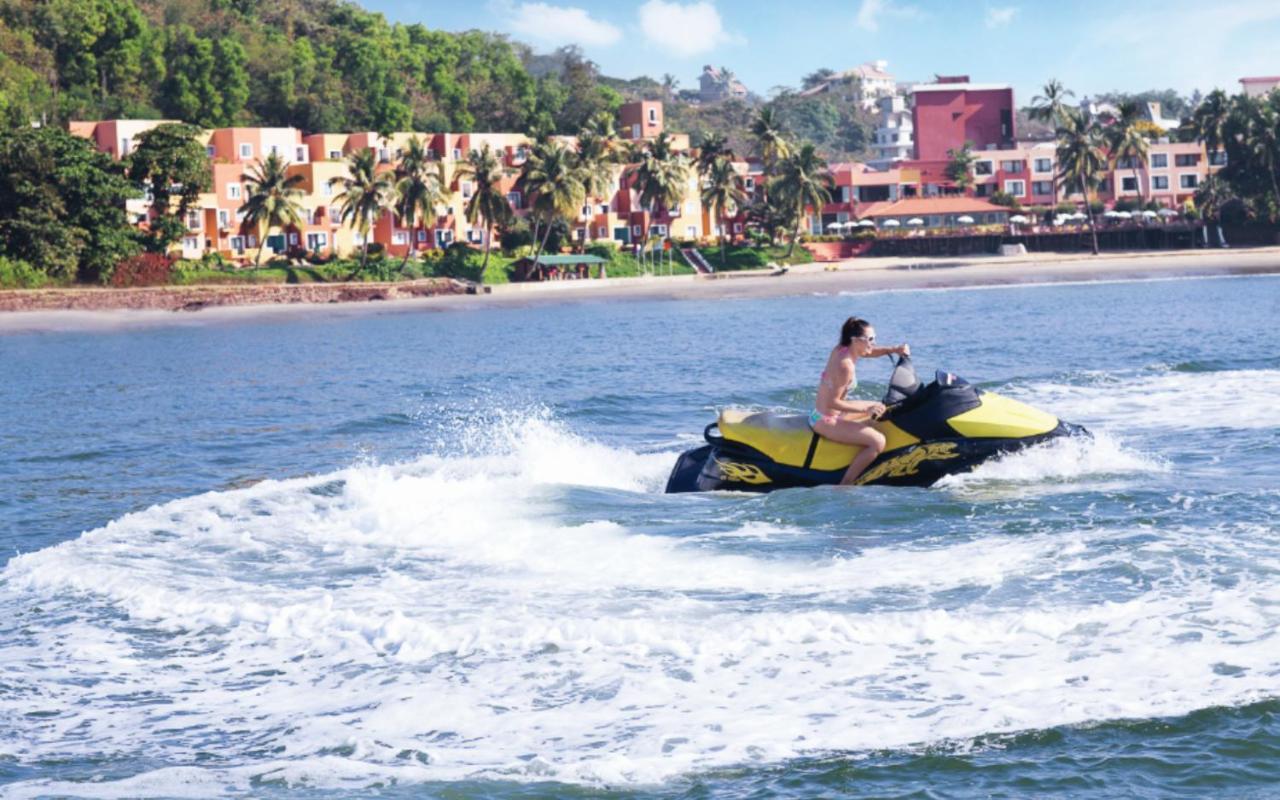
{"x": 849, "y": 421}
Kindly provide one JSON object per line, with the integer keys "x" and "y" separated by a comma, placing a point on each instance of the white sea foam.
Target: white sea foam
{"x": 440, "y": 620}
{"x": 1067, "y": 460}
{"x": 1238, "y": 399}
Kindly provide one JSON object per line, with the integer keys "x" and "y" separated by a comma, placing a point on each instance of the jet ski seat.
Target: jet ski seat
{"x": 787, "y": 438}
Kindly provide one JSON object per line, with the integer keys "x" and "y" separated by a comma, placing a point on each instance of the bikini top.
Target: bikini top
{"x": 827, "y": 381}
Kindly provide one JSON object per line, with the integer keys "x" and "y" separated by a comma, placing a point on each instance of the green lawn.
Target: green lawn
{"x": 740, "y": 257}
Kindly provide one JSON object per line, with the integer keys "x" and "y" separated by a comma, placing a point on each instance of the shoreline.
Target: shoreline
{"x": 233, "y": 304}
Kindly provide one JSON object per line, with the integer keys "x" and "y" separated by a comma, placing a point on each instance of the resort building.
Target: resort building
{"x": 952, "y": 111}
{"x": 894, "y": 139}
{"x": 216, "y": 225}
{"x": 1260, "y": 86}
{"x": 715, "y": 85}
{"x": 864, "y": 85}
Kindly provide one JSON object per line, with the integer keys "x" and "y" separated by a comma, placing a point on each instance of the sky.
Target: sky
{"x": 1090, "y": 46}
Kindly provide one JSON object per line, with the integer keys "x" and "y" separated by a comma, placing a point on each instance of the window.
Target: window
{"x": 457, "y": 154}
{"x": 326, "y": 189}
{"x": 750, "y": 183}
{"x": 635, "y": 230}
{"x": 253, "y": 240}
{"x": 657, "y": 230}
{"x": 982, "y": 168}
{"x": 335, "y": 155}
{"x": 982, "y": 190}
{"x": 233, "y": 191}
{"x": 514, "y": 199}
{"x": 475, "y": 236}
{"x": 317, "y": 241}
{"x": 1043, "y": 165}
{"x": 1159, "y": 182}
{"x": 737, "y": 227}
{"x": 422, "y": 236}
{"x": 275, "y": 151}
{"x": 191, "y": 243}
{"x": 1159, "y": 160}
{"x": 224, "y": 218}
{"x": 468, "y": 189}
{"x": 1042, "y": 187}
{"x": 1129, "y": 184}
{"x": 384, "y": 154}
{"x": 357, "y": 238}
{"x": 237, "y": 244}
{"x": 210, "y": 151}
{"x": 1188, "y": 181}
{"x": 845, "y": 192}
{"x": 653, "y": 116}
{"x": 602, "y": 232}
{"x": 604, "y": 209}
{"x": 444, "y": 237}
{"x": 635, "y": 131}
{"x": 1013, "y": 166}
{"x": 586, "y": 211}
{"x": 293, "y": 239}
{"x": 1218, "y": 158}
{"x": 335, "y": 215}
{"x": 246, "y": 150}
{"x": 399, "y": 237}
{"x": 1128, "y": 162}
{"x": 193, "y": 220}
{"x": 1186, "y": 159}
{"x": 1015, "y": 188}
{"x": 300, "y": 154}
{"x": 691, "y": 232}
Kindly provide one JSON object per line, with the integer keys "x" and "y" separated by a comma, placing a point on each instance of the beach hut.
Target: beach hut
{"x": 557, "y": 265}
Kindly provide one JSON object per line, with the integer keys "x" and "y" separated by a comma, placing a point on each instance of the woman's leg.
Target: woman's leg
{"x": 847, "y": 431}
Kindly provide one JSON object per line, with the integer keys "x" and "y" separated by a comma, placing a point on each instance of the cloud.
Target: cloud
{"x": 999, "y": 17}
{"x": 871, "y": 11}
{"x": 683, "y": 29}
{"x": 555, "y": 25}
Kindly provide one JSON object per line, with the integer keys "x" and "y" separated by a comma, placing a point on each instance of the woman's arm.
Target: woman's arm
{"x": 902, "y": 349}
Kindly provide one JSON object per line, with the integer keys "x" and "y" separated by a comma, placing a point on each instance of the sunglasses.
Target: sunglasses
{"x": 867, "y": 339}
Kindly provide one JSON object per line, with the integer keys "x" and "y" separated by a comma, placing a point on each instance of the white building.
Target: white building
{"x": 894, "y": 136}
{"x": 864, "y": 84}
{"x": 1259, "y": 87}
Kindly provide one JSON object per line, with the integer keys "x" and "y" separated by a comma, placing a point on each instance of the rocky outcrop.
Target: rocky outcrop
{"x": 194, "y": 298}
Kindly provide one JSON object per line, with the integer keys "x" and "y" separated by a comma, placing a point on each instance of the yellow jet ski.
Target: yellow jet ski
{"x": 942, "y": 428}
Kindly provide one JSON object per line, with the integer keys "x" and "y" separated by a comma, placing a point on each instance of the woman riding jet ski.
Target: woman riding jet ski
{"x": 942, "y": 428}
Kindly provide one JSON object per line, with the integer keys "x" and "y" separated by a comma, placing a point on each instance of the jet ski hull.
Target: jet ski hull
{"x": 731, "y": 466}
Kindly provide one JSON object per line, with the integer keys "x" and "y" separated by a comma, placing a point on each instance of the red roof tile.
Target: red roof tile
{"x": 919, "y": 206}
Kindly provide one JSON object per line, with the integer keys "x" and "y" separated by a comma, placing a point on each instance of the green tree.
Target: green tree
{"x": 597, "y": 163}
{"x": 488, "y": 203}
{"x": 802, "y": 181}
{"x": 62, "y": 204}
{"x": 422, "y": 186}
{"x": 553, "y": 180}
{"x": 1082, "y": 160}
{"x": 712, "y": 148}
{"x": 366, "y": 194}
{"x": 1212, "y": 118}
{"x": 960, "y": 165}
{"x": 771, "y": 139}
{"x": 1127, "y": 142}
{"x": 169, "y": 162}
{"x": 659, "y": 176}
{"x": 722, "y": 195}
{"x": 1050, "y": 106}
{"x": 1212, "y": 194}
{"x": 273, "y": 199}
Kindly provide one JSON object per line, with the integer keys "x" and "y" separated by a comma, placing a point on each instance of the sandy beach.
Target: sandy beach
{"x": 850, "y": 276}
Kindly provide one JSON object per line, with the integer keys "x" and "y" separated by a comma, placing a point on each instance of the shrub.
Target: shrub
{"x": 1065, "y": 208}
{"x": 144, "y": 269}
{"x": 515, "y": 237}
{"x": 1005, "y": 199}
{"x": 604, "y": 249}
{"x": 18, "y": 274}
{"x": 1128, "y": 204}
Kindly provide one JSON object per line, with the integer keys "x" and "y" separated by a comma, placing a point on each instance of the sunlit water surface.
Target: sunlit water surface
{"x": 427, "y": 553}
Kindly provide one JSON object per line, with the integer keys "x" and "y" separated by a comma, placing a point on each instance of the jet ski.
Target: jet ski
{"x": 931, "y": 430}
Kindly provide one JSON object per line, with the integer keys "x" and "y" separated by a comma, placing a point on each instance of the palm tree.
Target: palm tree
{"x": 722, "y": 195}
{"x": 1262, "y": 139}
{"x": 1211, "y": 196}
{"x": 273, "y": 199}
{"x": 660, "y": 176}
{"x": 488, "y": 202}
{"x": 669, "y": 85}
{"x": 960, "y": 169}
{"x": 714, "y": 147}
{"x": 1081, "y": 159}
{"x": 770, "y": 138}
{"x": 1051, "y": 106}
{"x": 366, "y": 194}
{"x": 1127, "y": 141}
{"x": 597, "y": 158}
{"x": 422, "y": 187}
{"x": 551, "y": 177}
{"x": 1212, "y": 119}
{"x": 803, "y": 181}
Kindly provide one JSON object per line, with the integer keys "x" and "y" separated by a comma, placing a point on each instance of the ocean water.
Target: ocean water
{"x": 427, "y": 554}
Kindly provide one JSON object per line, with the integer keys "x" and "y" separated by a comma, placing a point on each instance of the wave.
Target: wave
{"x": 455, "y": 618}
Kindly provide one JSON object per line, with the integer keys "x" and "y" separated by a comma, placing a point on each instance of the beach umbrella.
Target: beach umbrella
{"x": 1018, "y": 218}
{"x": 1060, "y": 220}
{"x": 915, "y": 221}
{"x": 1149, "y": 214}
{"x": 1113, "y": 214}
{"x": 866, "y": 223}
{"x": 1124, "y": 215}
{"x": 1079, "y": 216}
{"x": 834, "y": 226}
{"x": 965, "y": 220}
{"x": 1167, "y": 212}
{"x": 891, "y": 223}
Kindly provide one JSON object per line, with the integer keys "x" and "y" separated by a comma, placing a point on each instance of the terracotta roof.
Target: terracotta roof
{"x": 920, "y": 206}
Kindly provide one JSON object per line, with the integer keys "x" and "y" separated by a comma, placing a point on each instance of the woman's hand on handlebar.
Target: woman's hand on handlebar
{"x": 876, "y": 410}
{"x": 904, "y": 349}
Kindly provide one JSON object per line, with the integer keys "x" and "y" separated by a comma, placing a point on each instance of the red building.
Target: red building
{"x": 953, "y": 111}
